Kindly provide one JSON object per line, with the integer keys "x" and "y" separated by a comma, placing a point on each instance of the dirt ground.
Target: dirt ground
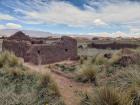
{"x": 69, "y": 89}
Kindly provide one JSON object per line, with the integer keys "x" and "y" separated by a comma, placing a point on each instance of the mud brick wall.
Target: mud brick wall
{"x": 46, "y": 54}
{"x": 39, "y": 52}
{"x": 18, "y": 47}
{"x": 112, "y": 45}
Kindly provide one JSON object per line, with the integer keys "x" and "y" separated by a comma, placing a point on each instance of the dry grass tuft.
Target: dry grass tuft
{"x": 100, "y": 60}
{"x": 87, "y": 73}
{"x": 107, "y": 96}
{"x": 115, "y": 58}
{"x": 46, "y": 80}
{"x": 9, "y": 59}
{"x": 21, "y": 86}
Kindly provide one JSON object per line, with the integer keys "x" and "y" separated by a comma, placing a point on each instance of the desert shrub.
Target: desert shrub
{"x": 66, "y": 68}
{"x": 110, "y": 70}
{"x": 83, "y": 59}
{"x": 93, "y": 59}
{"x": 9, "y": 59}
{"x": 125, "y": 57}
{"x": 11, "y": 98}
{"x": 21, "y": 86}
{"x": 129, "y": 76}
{"x": 87, "y": 73}
{"x": 129, "y": 79}
{"x": 107, "y": 96}
{"x": 137, "y": 50}
{"x": 100, "y": 60}
{"x": 134, "y": 93}
{"x": 115, "y": 57}
{"x": 46, "y": 80}
{"x": 133, "y": 77}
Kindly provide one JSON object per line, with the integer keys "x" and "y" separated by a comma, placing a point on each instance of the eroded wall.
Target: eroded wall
{"x": 45, "y": 54}
{"x": 112, "y": 45}
{"x": 39, "y": 52}
{"x": 18, "y": 47}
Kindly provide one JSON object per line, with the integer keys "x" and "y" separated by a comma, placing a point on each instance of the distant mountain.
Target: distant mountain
{"x": 8, "y": 32}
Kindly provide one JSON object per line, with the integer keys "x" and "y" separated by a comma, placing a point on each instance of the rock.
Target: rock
{"x": 126, "y": 60}
{"x": 108, "y": 55}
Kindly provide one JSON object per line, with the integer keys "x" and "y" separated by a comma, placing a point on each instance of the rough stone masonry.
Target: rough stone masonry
{"x": 39, "y": 51}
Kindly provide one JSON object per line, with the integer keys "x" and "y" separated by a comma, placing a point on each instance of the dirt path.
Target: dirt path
{"x": 69, "y": 89}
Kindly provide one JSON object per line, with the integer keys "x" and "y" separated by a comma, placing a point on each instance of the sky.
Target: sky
{"x": 107, "y": 18}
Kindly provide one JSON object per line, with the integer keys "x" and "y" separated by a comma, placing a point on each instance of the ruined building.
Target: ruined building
{"x": 39, "y": 51}
{"x": 113, "y": 45}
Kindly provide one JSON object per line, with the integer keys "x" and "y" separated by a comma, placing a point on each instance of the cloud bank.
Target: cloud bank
{"x": 94, "y": 13}
{"x": 6, "y": 17}
{"x": 10, "y": 26}
{"x": 59, "y": 12}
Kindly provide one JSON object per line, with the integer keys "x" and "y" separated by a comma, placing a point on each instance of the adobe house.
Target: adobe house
{"x": 39, "y": 51}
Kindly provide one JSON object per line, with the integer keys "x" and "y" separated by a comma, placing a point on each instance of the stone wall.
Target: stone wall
{"x": 112, "y": 45}
{"x": 42, "y": 54}
{"x": 18, "y": 47}
{"x": 39, "y": 52}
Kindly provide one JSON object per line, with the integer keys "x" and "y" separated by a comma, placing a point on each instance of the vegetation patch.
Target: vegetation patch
{"x": 66, "y": 68}
{"x": 107, "y": 96}
{"x": 21, "y": 86}
{"x": 118, "y": 80}
{"x": 87, "y": 73}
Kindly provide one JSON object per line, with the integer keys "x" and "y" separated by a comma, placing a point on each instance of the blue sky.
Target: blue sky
{"x": 88, "y": 17}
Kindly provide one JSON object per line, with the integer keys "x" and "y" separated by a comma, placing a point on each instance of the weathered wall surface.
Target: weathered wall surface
{"x": 42, "y": 54}
{"x": 39, "y": 52}
{"x": 18, "y": 47}
{"x": 112, "y": 45}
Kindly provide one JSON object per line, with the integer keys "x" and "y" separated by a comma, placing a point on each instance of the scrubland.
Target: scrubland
{"x": 21, "y": 86}
{"x": 116, "y": 78}
{"x": 113, "y": 74}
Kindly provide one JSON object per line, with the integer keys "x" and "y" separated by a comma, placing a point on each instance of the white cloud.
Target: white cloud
{"x": 104, "y": 34}
{"x": 121, "y": 13}
{"x": 10, "y": 26}
{"x": 6, "y": 17}
{"x": 115, "y": 34}
{"x": 119, "y": 34}
{"x": 61, "y": 13}
{"x": 58, "y": 12}
{"x": 99, "y": 22}
{"x": 135, "y": 30}
{"x": 13, "y": 26}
